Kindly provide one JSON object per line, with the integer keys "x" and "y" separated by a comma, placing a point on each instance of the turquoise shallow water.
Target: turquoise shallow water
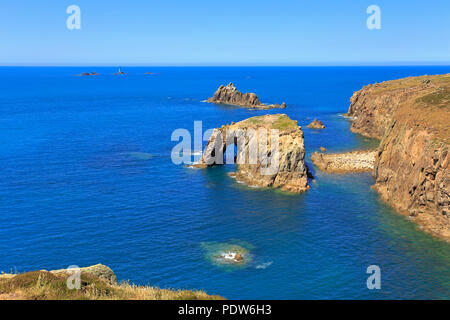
{"x": 86, "y": 177}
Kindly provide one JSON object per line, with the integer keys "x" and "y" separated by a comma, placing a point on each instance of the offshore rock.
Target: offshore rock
{"x": 270, "y": 152}
{"x": 230, "y": 95}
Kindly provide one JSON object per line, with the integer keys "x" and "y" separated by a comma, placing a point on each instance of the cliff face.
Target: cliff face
{"x": 259, "y": 161}
{"x": 230, "y": 95}
{"x": 411, "y": 118}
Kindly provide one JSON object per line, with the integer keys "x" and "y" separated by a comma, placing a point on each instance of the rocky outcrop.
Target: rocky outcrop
{"x": 230, "y": 95}
{"x": 316, "y": 124}
{"x": 99, "y": 270}
{"x": 84, "y": 74}
{"x": 411, "y": 118}
{"x": 270, "y": 152}
{"x": 356, "y": 161}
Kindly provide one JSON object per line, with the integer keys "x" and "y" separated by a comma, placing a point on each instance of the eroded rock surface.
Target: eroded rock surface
{"x": 270, "y": 152}
{"x": 356, "y": 161}
{"x": 98, "y": 270}
{"x": 411, "y": 118}
{"x": 316, "y": 124}
{"x": 230, "y": 95}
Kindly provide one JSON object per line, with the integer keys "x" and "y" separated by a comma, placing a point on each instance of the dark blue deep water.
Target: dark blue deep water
{"x": 86, "y": 177}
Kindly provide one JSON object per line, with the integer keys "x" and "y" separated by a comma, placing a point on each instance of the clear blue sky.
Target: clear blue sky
{"x": 231, "y": 32}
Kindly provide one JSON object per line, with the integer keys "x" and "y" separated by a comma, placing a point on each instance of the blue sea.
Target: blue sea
{"x": 86, "y": 177}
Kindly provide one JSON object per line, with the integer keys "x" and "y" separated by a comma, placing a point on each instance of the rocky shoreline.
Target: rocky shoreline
{"x": 230, "y": 95}
{"x": 410, "y": 117}
{"x": 355, "y": 161}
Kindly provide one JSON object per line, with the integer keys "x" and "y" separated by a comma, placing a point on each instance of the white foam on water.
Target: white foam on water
{"x": 264, "y": 265}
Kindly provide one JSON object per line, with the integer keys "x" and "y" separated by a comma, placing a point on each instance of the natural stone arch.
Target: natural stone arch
{"x": 284, "y": 151}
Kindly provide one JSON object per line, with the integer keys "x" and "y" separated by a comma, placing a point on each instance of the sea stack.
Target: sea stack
{"x": 265, "y": 157}
{"x": 230, "y": 95}
{"x": 316, "y": 124}
{"x": 411, "y": 118}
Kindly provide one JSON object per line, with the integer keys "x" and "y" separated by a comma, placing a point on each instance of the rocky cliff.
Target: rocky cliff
{"x": 411, "y": 117}
{"x": 270, "y": 152}
{"x": 230, "y": 95}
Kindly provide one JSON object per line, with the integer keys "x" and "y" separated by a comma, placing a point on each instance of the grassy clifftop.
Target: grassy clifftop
{"x": 45, "y": 285}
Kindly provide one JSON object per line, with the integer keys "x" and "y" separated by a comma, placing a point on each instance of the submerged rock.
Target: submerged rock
{"x": 270, "y": 152}
{"x": 230, "y": 95}
{"x": 228, "y": 254}
{"x": 98, "y": 270}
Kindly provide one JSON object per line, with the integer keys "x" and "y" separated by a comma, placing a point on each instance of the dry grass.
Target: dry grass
{"x": 43, "y": 285}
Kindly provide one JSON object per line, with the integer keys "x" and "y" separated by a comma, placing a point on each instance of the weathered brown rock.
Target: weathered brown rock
{"x": 323, "y": 149}
{"x": 411, "y": 117}
{"x": 355, "y": 161}
{"x": 98, "y": 270}
{"x": 316, "y": 124}
{"x": 230, "y": 95}
{"x": 259, "y": 162}
{"x": 84, "y": 74}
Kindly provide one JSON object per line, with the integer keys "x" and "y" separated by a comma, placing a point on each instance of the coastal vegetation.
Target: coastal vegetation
{"x": 52, "y": 285}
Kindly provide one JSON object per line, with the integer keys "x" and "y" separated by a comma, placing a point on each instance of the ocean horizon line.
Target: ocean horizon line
{"x": 223, "y": 66}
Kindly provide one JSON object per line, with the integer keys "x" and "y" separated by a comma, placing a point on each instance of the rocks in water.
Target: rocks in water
{"x": 356, "y": 161}
{"x": 270, "y": 152}
{"x": 231, "y": 257}
{"x": 84, "y": 74}
{"x": 228, "y": 254}
{"x": 316, "y": 124}
{"x": 230, "y": 95}
{"x": 323, "y": 149}
{"x": 411, "y": 118}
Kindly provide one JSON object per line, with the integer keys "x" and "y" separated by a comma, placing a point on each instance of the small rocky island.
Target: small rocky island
{"x": 230, "y": 95}
{"x": 259, "y": 162}
{"x": 84, "y": 74}
{"x": 316, "y": 124}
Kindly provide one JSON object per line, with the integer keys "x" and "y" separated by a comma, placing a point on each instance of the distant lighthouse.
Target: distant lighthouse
{"x": 120, "y": 71}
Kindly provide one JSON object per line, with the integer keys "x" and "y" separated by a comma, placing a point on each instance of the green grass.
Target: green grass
{"x": 439, "y": 98}
{"x": 278, "y": 121}
{"x": 284, "y": 123}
